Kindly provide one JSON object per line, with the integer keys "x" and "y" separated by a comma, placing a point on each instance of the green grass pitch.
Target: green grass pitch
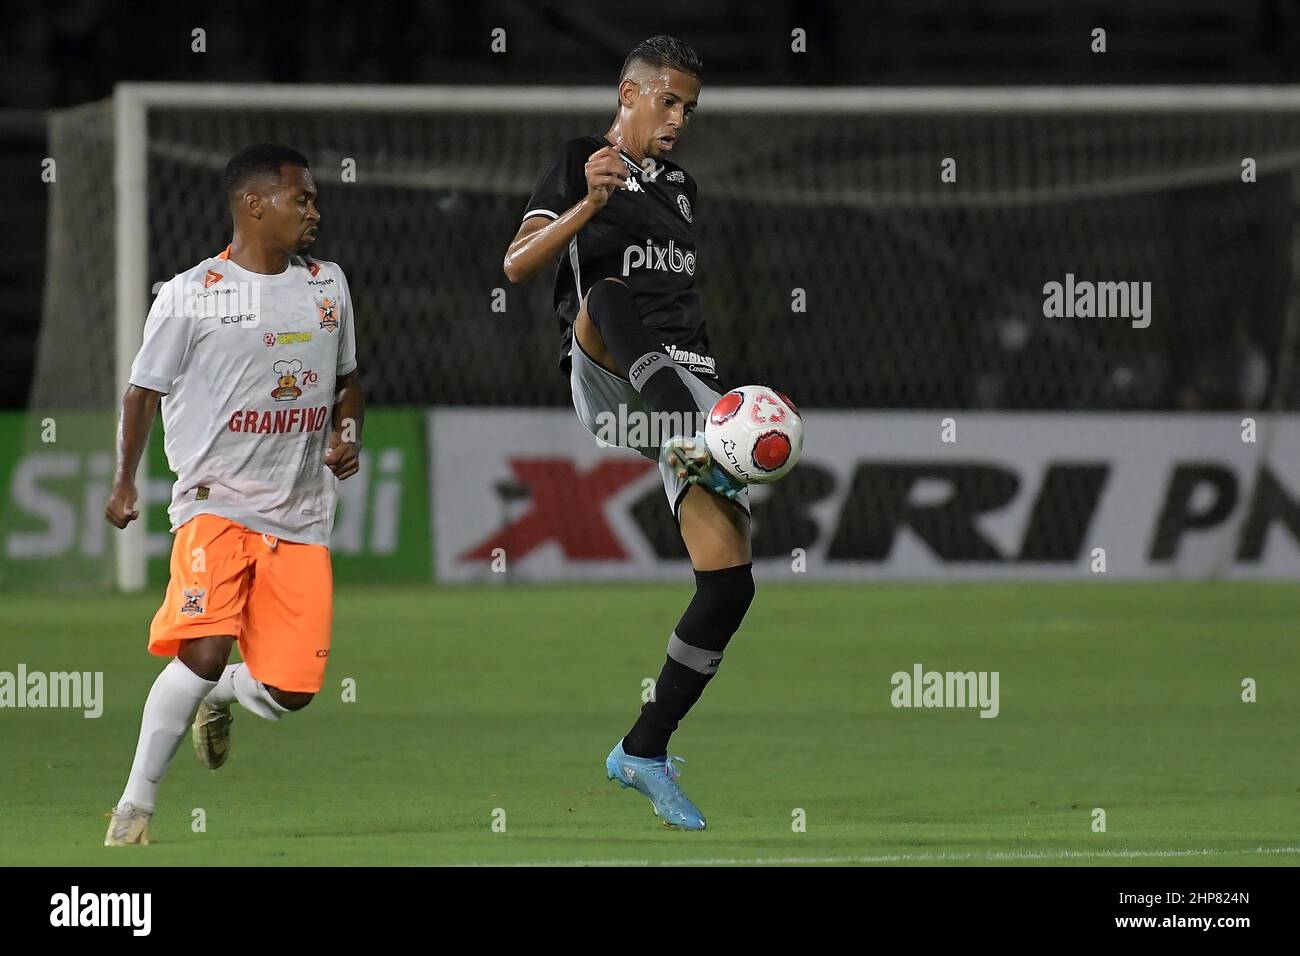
{"x": 1125, "y": 697}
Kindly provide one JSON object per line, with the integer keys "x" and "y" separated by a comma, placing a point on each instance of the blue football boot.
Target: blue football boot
{"x": 656, "y": 777}
{"x": 690, "y": 459}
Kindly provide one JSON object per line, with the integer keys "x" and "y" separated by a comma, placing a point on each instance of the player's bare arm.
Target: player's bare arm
{"x": 343, "y": 457}
{"x": 540, "y": 241}
{"x": 139, "y": 406}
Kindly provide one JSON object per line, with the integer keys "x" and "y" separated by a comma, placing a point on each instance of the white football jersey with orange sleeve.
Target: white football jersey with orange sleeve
{"x": 247, "y": 364}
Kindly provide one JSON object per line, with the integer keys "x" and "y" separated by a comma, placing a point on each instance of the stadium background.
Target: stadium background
{"x": 924, "y": 304}
{"x": 913, "y": 293}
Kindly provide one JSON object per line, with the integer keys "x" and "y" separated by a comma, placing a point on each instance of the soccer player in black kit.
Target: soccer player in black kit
{"x": 618, "y": 215}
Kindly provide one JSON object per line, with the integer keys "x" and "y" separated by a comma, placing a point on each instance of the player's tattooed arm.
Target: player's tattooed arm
{"x": 343, "y": 457}
{"x": 540, "y": 240}
{"x": 139, "y": 406}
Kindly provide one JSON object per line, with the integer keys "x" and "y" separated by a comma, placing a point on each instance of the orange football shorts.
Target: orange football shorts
{"x": 275, "y": 597}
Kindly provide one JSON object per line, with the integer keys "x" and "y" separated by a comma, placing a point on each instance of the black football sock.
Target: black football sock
{"x": 694, "y": 653}
{"x": 657, "y": 378}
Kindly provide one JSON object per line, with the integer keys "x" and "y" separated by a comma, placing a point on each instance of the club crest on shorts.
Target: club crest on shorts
{"x": 329, "y": 313}
{"x": 193, "y": 601}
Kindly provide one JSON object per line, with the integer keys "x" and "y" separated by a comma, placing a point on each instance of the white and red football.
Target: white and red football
{"x": 755, "y": 434}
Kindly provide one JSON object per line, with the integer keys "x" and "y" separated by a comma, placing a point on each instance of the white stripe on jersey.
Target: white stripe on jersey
{"x": 577, "y": 273}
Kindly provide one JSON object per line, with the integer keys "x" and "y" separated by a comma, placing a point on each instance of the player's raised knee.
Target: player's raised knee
{"x": 206, "y": 656}
{"x": 291, "y": 699}
{"x": 610, "y": 300}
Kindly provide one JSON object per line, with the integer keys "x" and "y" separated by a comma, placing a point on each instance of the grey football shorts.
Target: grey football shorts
{"x": 597, "y": 390}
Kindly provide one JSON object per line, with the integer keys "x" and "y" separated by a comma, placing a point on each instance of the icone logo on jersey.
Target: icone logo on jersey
{"x": 659, "y": 258}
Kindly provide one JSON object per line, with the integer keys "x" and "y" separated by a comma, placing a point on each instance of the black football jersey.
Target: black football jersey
{"x": 644, "y": 235}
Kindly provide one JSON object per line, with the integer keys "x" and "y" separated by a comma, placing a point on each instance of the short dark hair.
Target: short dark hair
{"x": 665, "y": 51}
{"x": 262, "y": 159}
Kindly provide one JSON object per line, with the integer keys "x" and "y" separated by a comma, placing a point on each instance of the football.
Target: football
{"x": 755, "y": 434}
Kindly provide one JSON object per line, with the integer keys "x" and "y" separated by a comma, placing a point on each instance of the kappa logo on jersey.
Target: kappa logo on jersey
{"x": 211, "y": 279}
{"x": 328, "y": 309}
{"x": 286, "y": 389}
{"x": 647, "y": 172}
{"x": 193, "y": 601}
{"x": 684, "y": 205}
{"x": 658, "y": 258}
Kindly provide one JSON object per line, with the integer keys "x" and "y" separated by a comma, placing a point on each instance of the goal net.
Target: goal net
{"x": 867, "y": 249}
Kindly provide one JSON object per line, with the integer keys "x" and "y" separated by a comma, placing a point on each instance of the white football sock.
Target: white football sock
{"x": 237, "y": 683}
{"x": 224, "y": 694}
{"x": 168, "y": 713}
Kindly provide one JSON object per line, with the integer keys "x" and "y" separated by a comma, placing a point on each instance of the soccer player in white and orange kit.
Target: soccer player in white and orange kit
{"x": 252, "y": 354}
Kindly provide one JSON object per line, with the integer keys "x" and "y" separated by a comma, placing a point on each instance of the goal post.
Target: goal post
{"x": 131, "y": 258}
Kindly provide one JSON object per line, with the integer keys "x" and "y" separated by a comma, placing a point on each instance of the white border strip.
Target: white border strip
{"x": 725, "y": 99}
